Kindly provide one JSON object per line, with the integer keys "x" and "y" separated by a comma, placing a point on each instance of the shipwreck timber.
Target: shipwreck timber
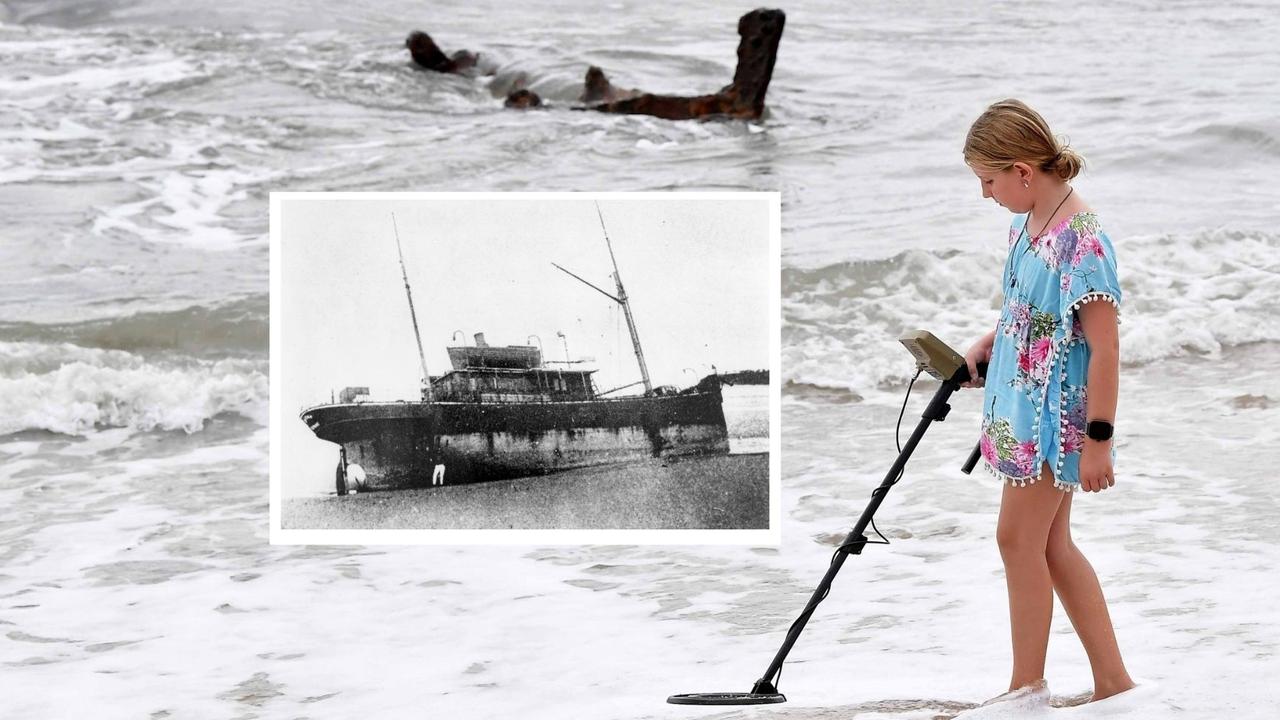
{"x": 760, "y": 32}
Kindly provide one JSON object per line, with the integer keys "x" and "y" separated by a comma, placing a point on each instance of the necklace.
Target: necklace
{"x": 1037, "y": 236}
{"x": 1013, "y": 280}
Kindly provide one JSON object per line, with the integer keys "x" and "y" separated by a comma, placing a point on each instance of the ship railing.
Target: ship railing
{"x": 478, "y": 397}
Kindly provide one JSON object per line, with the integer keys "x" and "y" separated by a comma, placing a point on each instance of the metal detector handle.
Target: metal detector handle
{"x": 962, "y": 374}
{"x": 972, "y": 462}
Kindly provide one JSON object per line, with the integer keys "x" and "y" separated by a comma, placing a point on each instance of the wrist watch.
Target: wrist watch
{"x": 1099, "y": 430}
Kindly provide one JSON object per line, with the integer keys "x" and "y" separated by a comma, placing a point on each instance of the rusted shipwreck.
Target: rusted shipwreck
{"x": 502, "y": 412}
{"x": 760, "y": 32}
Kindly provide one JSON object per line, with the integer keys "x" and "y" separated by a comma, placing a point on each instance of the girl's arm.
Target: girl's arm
{"x": 1102, "y": 333}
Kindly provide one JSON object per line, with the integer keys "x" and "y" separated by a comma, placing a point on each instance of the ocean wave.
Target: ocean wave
{"x": 1253, "y": 139}
{"x": 841, "y": 322}
{"x": 71, "y": 95}
{"x": 65, "y": 388}
{"x": 236, "y": 328}
{"x": 1184, "y": 295}
{"x": 819, "y": 393}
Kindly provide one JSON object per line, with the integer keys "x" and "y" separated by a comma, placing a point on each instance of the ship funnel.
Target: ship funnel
{"x": 480, "y": 340}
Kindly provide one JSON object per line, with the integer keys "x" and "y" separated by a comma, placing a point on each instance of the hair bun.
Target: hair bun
{"x": 1067, "y": 163}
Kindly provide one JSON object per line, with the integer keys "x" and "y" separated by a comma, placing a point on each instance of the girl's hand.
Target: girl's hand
{"x": 979, "y": 352}
{"x": 1096, "y": 473}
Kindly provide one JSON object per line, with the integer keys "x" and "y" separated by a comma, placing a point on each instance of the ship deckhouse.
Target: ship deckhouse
{"x": 511, "y": 374}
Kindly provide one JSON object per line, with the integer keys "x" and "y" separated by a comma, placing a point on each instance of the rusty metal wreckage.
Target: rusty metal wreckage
{"x": 743, "y": 99}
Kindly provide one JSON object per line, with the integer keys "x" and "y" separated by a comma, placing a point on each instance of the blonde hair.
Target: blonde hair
{"x": 1009, "y": 131}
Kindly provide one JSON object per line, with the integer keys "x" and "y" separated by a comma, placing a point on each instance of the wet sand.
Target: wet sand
{"x": 716, "y": 492}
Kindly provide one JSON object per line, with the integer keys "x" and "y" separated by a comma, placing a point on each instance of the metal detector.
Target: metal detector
{"x": 934, "y": 357}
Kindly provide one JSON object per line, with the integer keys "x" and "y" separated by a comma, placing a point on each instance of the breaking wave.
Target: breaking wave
{"x": 1184, "y": 296}
{"x": 75, "y": 390}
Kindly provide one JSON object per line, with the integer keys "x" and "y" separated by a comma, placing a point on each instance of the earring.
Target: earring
{"x": 1026, "y": 184}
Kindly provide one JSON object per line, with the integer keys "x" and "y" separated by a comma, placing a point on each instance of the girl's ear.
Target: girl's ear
{"x": 1022, "y": 171}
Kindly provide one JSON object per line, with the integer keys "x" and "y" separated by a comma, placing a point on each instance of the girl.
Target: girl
{"x": 1054, "y": 362}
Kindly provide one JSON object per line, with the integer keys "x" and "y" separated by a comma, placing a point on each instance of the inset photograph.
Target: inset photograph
{"x": 525, "y": 367}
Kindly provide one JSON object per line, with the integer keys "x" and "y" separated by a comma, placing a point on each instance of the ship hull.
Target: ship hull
{"x": 400, "y": 444}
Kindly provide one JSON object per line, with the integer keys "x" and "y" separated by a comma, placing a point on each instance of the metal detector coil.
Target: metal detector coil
{"x": 941, "y": 362}
{"x": 738, "y": 698}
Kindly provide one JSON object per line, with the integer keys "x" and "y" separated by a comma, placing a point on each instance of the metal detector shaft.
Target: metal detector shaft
{"x": 855, "y": 541}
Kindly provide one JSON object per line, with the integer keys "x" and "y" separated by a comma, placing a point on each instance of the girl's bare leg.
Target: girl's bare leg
{"x": 1081, "y": 595}
{"x": 1022, "y": 533}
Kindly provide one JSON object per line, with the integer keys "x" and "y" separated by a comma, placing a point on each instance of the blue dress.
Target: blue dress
{"x": 1034, "y": 405}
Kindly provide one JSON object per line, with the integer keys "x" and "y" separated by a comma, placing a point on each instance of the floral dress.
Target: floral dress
{"x": 1034, "y": 405}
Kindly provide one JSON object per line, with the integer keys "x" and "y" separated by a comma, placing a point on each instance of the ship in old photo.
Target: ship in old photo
{"x": 506, "y": 411}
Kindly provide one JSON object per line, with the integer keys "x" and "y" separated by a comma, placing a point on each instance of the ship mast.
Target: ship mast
{"x": 426, "y": 379}
{"x": 621, "y": 299}
{"x": 626, "y": 308}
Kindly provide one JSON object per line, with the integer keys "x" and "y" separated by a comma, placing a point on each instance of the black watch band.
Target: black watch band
{"x": 1099, "y": 430}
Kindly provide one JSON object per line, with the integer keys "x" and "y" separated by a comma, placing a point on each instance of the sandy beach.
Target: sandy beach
{"x": 716, "y": 492}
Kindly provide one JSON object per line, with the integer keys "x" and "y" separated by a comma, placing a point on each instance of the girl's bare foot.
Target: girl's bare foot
{"x": 1102, "y": 692}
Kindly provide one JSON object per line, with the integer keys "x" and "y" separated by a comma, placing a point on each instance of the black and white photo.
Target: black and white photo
{"x": 527, "y": 362}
